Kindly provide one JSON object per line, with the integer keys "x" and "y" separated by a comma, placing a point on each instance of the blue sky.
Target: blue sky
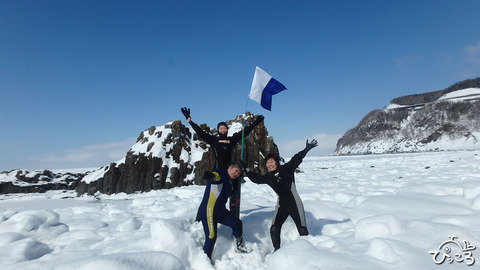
{"x": 79, "y": 80}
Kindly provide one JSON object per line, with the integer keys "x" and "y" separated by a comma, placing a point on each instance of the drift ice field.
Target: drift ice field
{"x": 397, "y": 211}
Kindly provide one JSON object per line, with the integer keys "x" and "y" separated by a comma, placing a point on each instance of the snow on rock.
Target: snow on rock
{"x": 393, "y": 106}
{"x": 95, "y": 175}
{"x": 157, "y": 142}
{"x": 19, "y": 181}
{"x": 161, "y": 142}
{"x": 151, "y": 142}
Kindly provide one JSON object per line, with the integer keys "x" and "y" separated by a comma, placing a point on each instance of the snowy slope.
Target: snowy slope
{"x": 363, "y": 212}
{"x": 461, "y": 95}
{"x": 455, "y": 96}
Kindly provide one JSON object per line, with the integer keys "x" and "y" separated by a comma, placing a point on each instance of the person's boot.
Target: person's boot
{"x": 240, "y": 246}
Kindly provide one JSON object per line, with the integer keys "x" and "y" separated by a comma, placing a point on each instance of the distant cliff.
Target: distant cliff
{"x": 448, "y": 119}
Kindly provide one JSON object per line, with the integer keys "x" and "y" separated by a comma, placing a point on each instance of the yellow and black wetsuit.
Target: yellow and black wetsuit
{"x": 213, "y": 211}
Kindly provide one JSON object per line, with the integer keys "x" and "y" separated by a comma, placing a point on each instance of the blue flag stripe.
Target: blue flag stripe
{"x": 273, "y": 87}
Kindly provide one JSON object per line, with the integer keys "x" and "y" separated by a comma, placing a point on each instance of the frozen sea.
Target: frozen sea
{"x": 398, "y": 211}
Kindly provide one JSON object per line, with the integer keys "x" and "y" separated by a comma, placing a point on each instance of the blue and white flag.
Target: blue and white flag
{"x": 264, "y": 87}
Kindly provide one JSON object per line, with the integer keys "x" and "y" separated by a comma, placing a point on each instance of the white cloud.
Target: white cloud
{"x": 473, "y": 53}
{"x": 326, "y": 145}
{"x": 95, "y": 155}
{"x": 471, "y": 61}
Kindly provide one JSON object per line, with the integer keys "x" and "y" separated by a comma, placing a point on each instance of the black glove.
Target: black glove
{"x": 186, "y": 112}
{"x": 208, "y": 176}
{"x": 258, "y": 120}
{"x": 310, "y": 145}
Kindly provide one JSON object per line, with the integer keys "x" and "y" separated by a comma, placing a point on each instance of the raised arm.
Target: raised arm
{"x": 238, "y": 136}
{"x": 298, "y": 157}
{"x": 200, "y": 132}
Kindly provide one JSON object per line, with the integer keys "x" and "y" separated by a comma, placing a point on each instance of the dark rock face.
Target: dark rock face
{"x": 162, "y": 158}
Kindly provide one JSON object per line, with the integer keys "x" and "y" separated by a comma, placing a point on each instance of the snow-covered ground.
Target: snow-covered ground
{"x": 363, "y": 212}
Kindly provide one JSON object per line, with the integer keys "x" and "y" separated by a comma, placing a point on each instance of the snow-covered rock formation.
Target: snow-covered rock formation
{"x": 169, "y": 156}
{"x": 164, "y": 156}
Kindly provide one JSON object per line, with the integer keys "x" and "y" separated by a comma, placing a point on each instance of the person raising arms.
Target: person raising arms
{"x": 281, "y": 178}
{"x": 223, "y": 146}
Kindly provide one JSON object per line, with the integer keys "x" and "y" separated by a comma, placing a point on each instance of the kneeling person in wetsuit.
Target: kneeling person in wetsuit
{"x": 281, "y": 178}
{"x": 212, "y": 209}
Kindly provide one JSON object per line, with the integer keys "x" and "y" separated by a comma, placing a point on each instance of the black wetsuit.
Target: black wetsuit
{"x": 222, "y": 145}
{"x": 282, "y": 181}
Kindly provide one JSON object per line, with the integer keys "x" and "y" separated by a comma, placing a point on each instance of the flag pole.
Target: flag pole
{"x": 239, "y": 183}
{"x": 243, "y": 130}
